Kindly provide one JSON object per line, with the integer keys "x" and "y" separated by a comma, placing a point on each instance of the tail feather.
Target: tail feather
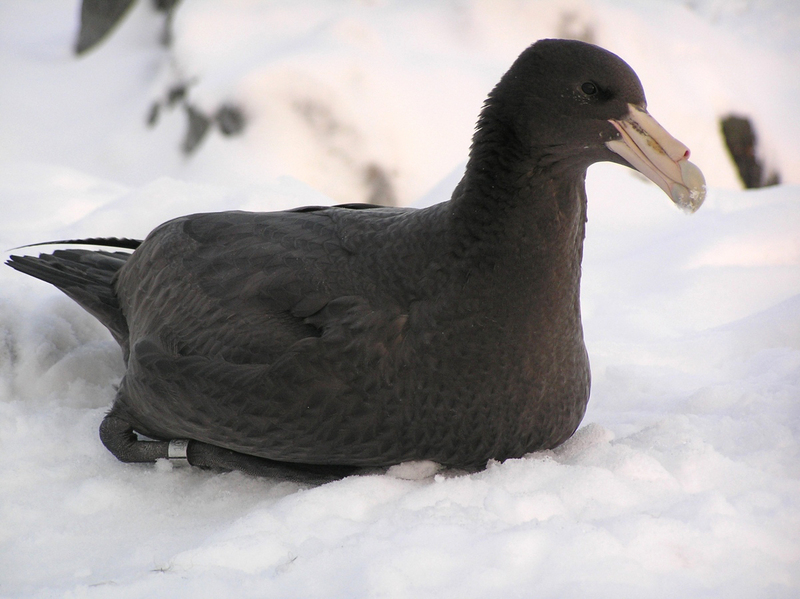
{"x": 87, "y": 277}
{"x": 114, "y": 242}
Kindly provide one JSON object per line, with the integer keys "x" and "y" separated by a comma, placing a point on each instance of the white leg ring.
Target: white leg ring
{"x": 177, "y": 449}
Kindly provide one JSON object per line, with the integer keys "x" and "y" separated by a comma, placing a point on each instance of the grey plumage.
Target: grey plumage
{"x": 367, "y": 337}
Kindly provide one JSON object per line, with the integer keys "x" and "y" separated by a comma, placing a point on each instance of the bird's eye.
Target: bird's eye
{"x": 589, "y": 88}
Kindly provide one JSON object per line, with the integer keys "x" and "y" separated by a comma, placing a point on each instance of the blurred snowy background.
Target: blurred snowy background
{"x": 684, "y": 480}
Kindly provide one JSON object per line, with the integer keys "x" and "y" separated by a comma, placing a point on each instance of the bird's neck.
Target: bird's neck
{"x": 504, "y": 209}
{"x": 518, "y": 226}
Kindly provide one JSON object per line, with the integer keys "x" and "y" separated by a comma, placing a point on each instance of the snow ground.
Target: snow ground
{"x": 684, "y": 480}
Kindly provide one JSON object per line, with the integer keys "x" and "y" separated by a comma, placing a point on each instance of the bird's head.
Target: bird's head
{"x": 569, "y": 104}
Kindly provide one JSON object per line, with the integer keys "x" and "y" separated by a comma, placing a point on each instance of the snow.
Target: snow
{"x": 684, "y": 479}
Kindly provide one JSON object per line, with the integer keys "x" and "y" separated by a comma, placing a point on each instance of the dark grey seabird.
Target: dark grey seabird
{"x": 320, "y": 339}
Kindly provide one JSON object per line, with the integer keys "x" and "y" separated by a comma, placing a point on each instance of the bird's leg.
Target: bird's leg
{"x": 205, "y": 455}
{"x": 120, "y": 439}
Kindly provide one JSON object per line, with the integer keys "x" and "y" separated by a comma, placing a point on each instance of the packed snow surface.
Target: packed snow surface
{"x": 684, "y": 479}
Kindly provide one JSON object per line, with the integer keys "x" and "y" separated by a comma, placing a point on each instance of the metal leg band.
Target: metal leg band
{"x": 177, "y": 449}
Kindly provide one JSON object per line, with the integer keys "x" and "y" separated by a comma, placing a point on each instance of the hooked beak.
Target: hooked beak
{"x": 652, "y": 151}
